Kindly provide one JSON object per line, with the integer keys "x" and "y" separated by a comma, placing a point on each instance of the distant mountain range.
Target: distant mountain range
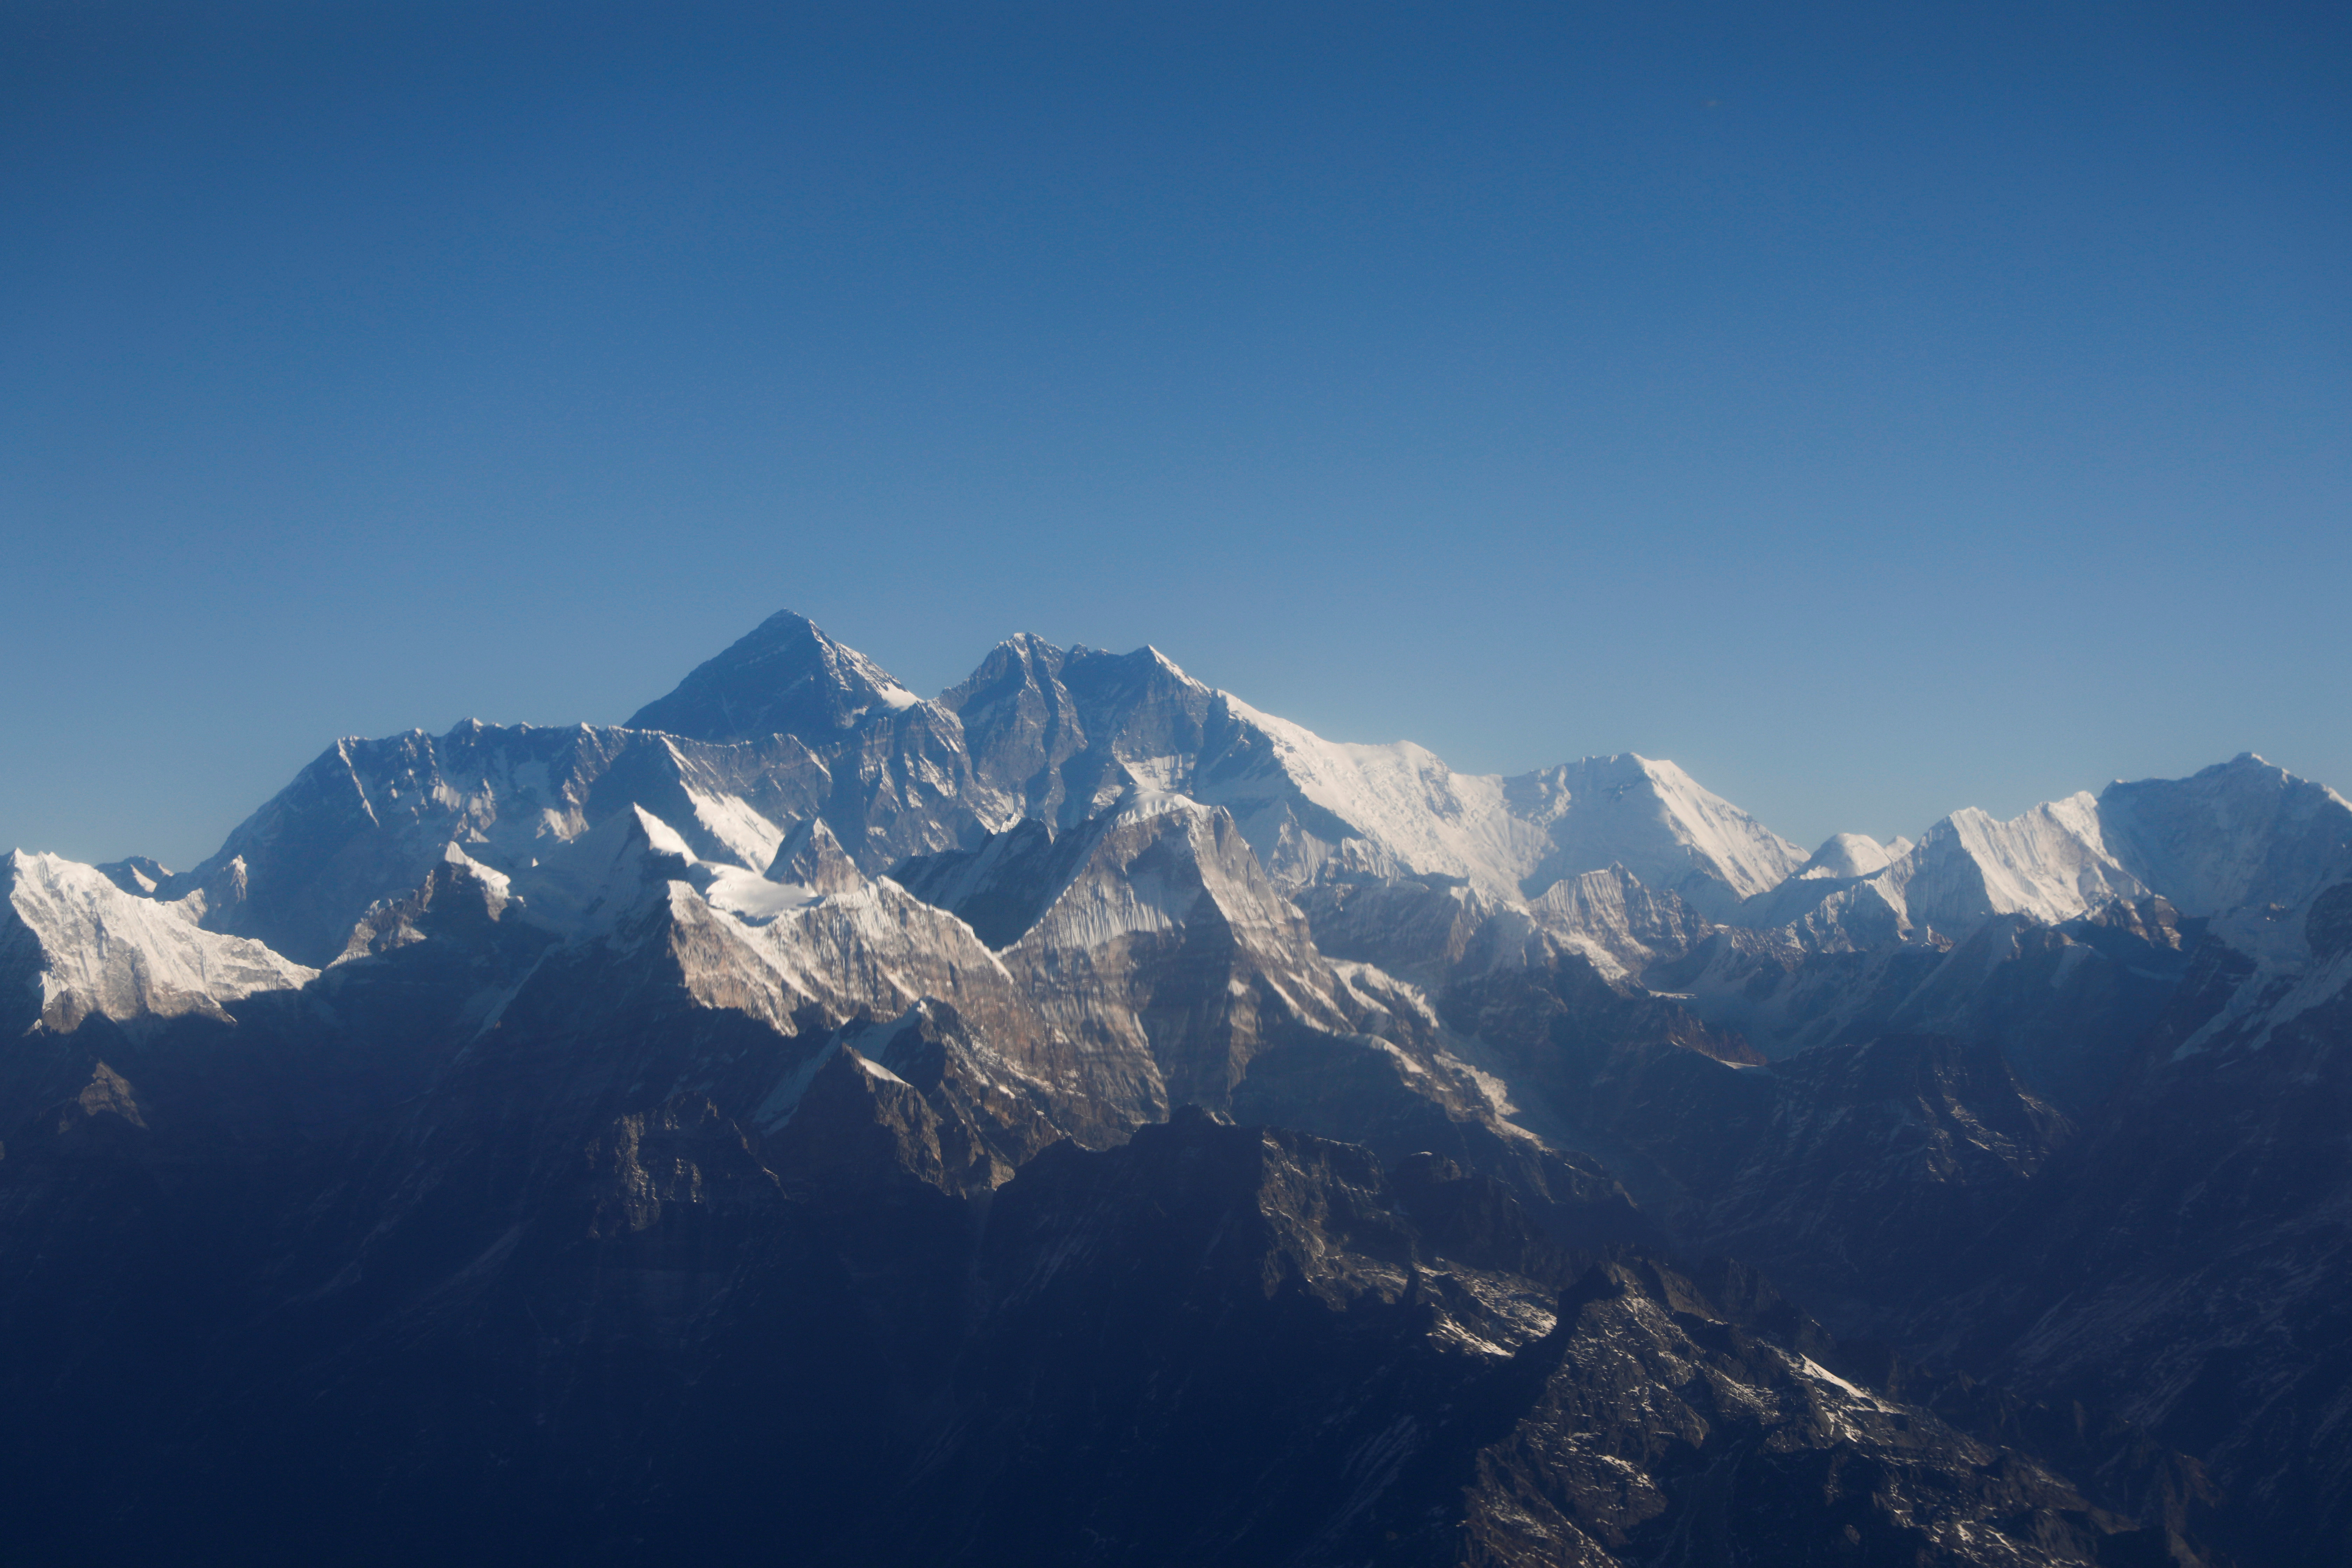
{"x": 1082, "y": 1119}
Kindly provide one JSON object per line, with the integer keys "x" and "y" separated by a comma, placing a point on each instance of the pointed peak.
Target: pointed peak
{"x": 1164, "y": 662}
{"x": 642, "y": 826}
{"x": 459, "y": 897}
{"x": 126, "y": 957}
{"x": 625, "y": 838}
{"x": 1027, "y": 650}
{"x": 2246, "y": 766}
{"x": 1660, "y": 770}
{"x": 811, "y": 857}
{"x": 1663, "y": 773}
{"x": 1146, "y": 664}
{"x": 785, "y": 677}
{"x": 787, "y": 619}
{"x": 583, "y": 884}
{"x": 1022, "y": 661}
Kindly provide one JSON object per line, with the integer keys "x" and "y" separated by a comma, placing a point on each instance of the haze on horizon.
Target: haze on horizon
{"x": 1876, "y": 413}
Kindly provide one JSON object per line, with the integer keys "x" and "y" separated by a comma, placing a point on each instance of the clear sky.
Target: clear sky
{"x": 1878, "y": 408}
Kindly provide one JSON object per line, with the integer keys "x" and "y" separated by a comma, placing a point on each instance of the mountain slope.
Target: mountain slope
{"x": 75, "y": 946}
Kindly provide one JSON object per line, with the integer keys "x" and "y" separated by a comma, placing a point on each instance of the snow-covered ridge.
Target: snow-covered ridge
{"x": 1060, "y": 734}
{"x": 796, "y": 730}
{"x": 368, "y": 820}
{"x": 95, "y": 949}
{"x": 2244, "y": 833}
{"x": 1149, "y": 863}
{"x": 794, "y": 727}
{"x": 2242, "y": 838}
{"x": 1512, "y": 838}
{"x": 2051, "y": 862}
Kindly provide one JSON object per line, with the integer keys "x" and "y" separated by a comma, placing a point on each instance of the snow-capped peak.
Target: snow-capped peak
{"x": 1849, "y": 855}
{"x": 2240, "y": 833}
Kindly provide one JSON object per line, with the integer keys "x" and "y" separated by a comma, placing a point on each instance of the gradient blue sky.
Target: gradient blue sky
{"x": 1878, "y": 409}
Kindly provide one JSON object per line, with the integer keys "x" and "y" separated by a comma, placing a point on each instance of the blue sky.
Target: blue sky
{"x": 1877, "y": 409}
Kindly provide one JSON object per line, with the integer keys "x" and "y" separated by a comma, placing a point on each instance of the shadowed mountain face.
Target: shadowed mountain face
{"x": 1084, "y": 1119}
{"x": 785, "y": 678}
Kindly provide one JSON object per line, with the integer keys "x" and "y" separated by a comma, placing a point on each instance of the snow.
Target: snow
{"x": 2242, "y": 842}
{"x": 1730, "y": 845}
{"x": 1406, "y": 800}
{"x": 2051, "y": 862}
{"x": 1304, "y": 802}
{"x": 499, "y": 885}
{"x": 662, "y": 839}
{"x": 582, "y": 888}
{"x": 754, "y": 899}
{"x": 782, "y": 1100}
{"x": 2276, "y": 992}
{"x": 1508, "y": 838}
{"x": 1849, "y": 855}
{"x": 1591, "y": 855}
{"x": 2241, "y": 834}
{"x": 512, "y": 794}
{"x": 1613, "y": 920}
{"x": 1821, "y": 1373}
{"x": 126, "y": 957}
{"x": 875, "y": 1069}
{"x": 743, "y": 832}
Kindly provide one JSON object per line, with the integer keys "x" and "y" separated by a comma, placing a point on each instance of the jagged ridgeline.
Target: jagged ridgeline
{"x": 1081, "y": 1118}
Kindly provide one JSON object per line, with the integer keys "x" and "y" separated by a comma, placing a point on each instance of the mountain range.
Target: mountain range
{"x": 1082, "y": 1119}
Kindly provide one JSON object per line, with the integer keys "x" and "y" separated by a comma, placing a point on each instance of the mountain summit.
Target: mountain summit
{"x": 784, "y": 676}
